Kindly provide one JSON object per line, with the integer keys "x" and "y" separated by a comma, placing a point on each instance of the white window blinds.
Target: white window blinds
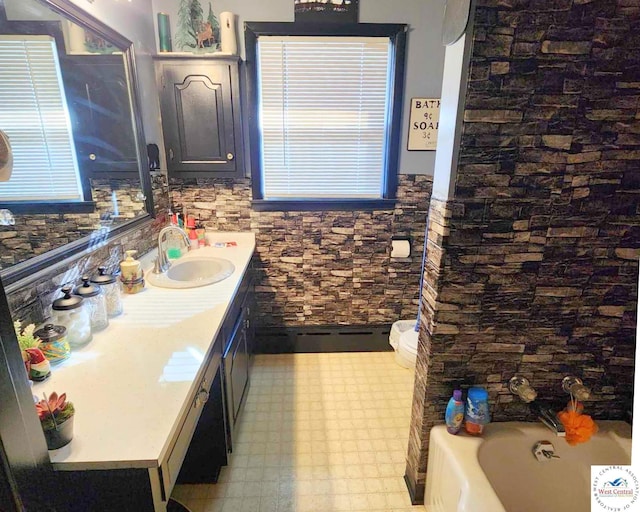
{"x": 33, "y": 113}
{"x": 323, "y": 115}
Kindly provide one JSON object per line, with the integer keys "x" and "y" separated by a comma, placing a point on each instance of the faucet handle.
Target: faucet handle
{"x": 574, "y": 386}
{"x": 162, "y": 263}
{"x": 520, "y": 386}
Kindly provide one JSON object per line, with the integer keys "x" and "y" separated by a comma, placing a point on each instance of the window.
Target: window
{"x": 34, "y": 114}
{"x": 325, "y": 114}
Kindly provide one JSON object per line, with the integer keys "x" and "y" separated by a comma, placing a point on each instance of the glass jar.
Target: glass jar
{"x": 72, "y": 313}
{"x": 112, "y": 292}
{"x": 97, "y": 304}
{"x": 54, "y": 344}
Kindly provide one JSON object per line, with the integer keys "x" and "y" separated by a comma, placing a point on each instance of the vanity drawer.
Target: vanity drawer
{"x": 171, "y": 468}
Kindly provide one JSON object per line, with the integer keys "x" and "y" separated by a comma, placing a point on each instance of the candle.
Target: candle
{"x": 164, "y": 32}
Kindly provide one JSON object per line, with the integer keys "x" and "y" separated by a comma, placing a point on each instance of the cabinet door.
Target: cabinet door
{"x": 99, "y": 106}
{"x": 236, "y": 369}
{"x": 198, "y": 118}
{"x": 208, "y": 449}
{"x": 239, "y": 367}
{"x": 249, "y": 307}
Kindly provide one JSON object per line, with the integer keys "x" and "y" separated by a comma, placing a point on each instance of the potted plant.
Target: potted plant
{"x": 56, "y": 419}
{"x": 37, "y": 365}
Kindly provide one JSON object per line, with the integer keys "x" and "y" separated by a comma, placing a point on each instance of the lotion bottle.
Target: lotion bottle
{"x": 455, "y": 413}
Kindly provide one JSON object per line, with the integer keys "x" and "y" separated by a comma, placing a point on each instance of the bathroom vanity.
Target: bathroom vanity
{"x": 158, "y": 391}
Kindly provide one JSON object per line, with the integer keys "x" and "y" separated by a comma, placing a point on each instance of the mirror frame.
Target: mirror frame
{"x": 37, "y": 263}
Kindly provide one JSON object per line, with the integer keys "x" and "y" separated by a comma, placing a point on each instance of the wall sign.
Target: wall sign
{"x": 423, "y": 124}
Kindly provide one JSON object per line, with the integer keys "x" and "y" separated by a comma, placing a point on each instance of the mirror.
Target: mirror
{"x": 69, "y": 106}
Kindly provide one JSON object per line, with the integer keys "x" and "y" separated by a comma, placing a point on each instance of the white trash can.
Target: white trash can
{"x": 397, "y": 329}
{"x": 407, "y": 352}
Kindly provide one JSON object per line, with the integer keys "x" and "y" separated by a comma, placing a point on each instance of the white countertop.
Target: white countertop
{"x": 131, "y": 383}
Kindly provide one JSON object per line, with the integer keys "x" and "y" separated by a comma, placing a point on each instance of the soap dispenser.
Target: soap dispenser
{"x": 130, "y": 267}
{"x": 132, "y": 276}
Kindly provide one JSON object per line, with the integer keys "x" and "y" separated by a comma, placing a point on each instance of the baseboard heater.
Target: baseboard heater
{"x": 323, "y": 338}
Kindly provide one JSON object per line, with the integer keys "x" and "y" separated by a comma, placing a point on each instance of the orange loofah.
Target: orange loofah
{"x": 579, "y": 427}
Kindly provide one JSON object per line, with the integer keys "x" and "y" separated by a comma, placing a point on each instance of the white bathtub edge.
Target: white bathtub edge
{"x": 476, "y": 493}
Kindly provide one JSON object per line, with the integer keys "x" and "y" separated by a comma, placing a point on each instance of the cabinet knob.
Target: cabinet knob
{"x": 230, "y": 156}
{"x": 202, "y": 397}
{"x": 92, "y": 156}
{"x": 171, "y": 153}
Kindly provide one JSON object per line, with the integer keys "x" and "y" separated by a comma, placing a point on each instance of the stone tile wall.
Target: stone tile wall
{"x": 326, "y": 267}
{"x": 534, "y": 263}
{"x": 39, "y": 233}
{"x": 30, "y": 302}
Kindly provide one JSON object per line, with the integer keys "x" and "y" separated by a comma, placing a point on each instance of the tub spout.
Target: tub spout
{"x": 549, "y": 419}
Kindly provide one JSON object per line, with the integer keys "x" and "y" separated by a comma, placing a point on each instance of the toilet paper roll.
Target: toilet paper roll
{"x": 400, "y": 249}
{"x": 228, "y": 41}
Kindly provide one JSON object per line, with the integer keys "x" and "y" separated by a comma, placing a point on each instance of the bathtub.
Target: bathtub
{"x": 499, "y": 473}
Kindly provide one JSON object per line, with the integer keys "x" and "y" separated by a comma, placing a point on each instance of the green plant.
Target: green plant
{"x": 54, "y": 410}
{"x": 25, "y": 336}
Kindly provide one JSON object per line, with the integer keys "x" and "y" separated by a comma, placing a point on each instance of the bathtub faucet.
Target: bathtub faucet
{"x": 549, "y": 419}
{"x": 575, "y": 387}
{"x": 520, "y": 386}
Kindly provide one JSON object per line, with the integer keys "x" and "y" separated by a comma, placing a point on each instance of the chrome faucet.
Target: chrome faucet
{"x": 549, "y": 419}
{"x": 162, "y": 263}
{"x": 521, "y": 387}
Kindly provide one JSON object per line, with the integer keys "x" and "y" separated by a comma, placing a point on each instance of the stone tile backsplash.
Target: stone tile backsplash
{"x": 31, "y": 300}
{"x": 327, "y": 267}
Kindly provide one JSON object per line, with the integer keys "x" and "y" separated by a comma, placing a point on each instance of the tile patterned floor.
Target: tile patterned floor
{"x": 319, "y": 433}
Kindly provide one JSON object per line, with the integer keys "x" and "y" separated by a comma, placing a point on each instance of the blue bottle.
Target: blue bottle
{"x": 477, "y": 413}
{"x": 455, "y": 413}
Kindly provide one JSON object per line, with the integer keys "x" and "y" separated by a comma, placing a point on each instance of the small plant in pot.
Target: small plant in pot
{"x": 37, "y": 365}
{"x": 56, "y": 419}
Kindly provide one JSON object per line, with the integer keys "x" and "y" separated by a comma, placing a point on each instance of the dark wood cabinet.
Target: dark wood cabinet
{"x": 213, "y": 438}
{"x": 100, "y": 110}
{"x": 200, "y": 105}
{"x": 208, "y": 449}
{"x": 236, "y": 356}
{"x": 236, "y": 366}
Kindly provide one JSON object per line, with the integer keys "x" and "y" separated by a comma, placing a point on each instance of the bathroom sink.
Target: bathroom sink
{"x": 192, "y": 273}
